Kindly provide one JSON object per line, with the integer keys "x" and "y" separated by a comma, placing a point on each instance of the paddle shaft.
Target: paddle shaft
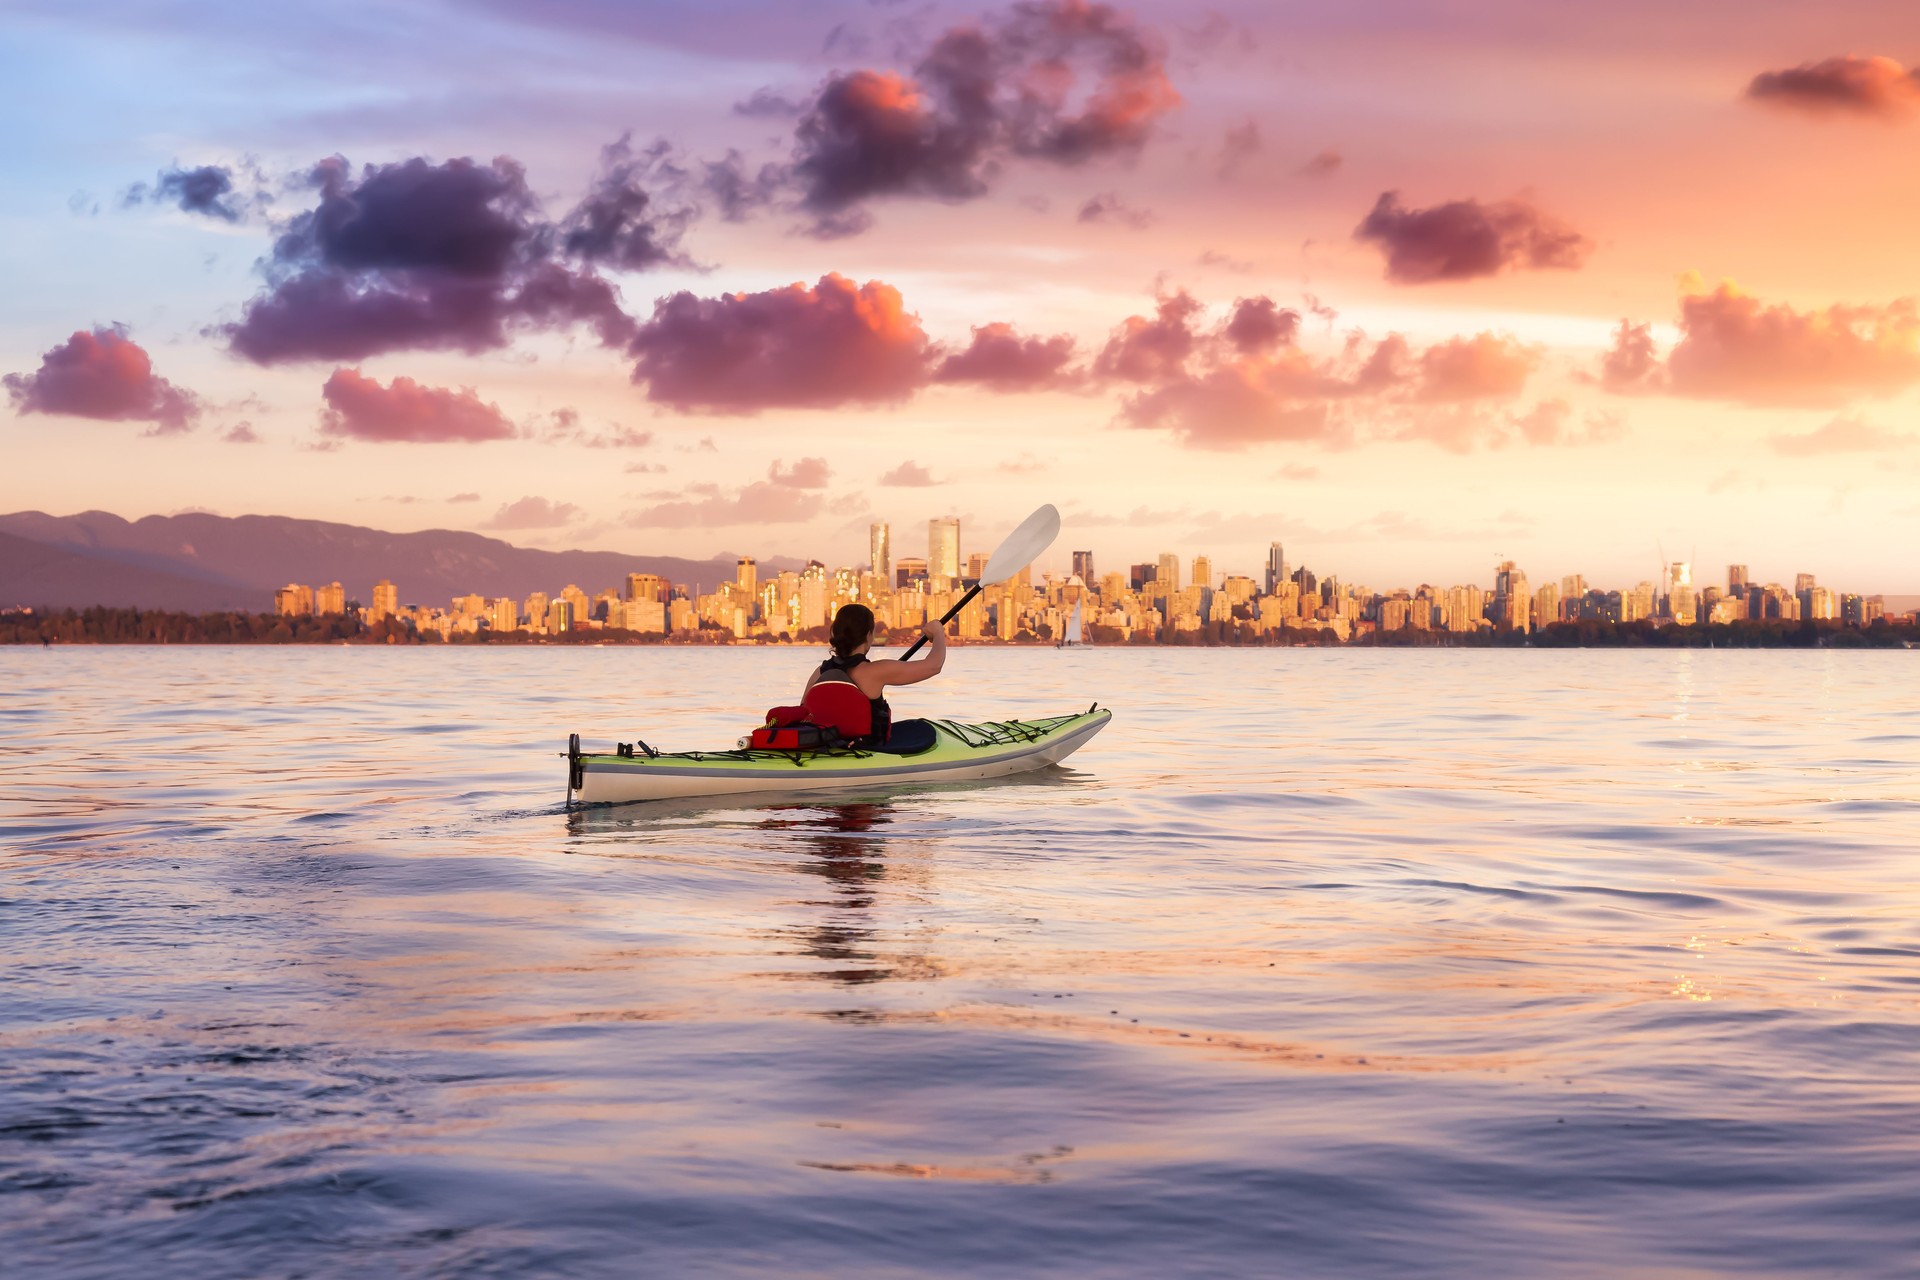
{"x": 949, "y": 616}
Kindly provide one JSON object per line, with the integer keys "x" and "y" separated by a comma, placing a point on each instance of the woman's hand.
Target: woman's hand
{"x": 933, "y": 631}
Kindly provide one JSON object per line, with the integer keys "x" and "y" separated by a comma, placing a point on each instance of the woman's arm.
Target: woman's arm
{"x": 892, "y": 671}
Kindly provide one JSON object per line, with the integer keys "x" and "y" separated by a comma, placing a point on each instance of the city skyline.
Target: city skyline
{"x": 1150, "y": 599}
{"x": 1549, "y": 289}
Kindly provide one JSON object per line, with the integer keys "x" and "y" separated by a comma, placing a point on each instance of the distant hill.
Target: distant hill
{"x": 204, "y": 562}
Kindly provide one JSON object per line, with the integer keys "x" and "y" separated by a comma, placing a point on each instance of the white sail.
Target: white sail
{"x": 1074, "y": 633}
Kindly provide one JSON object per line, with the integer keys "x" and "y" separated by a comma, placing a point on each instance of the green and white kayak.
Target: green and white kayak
{"x": 960, "y": 753}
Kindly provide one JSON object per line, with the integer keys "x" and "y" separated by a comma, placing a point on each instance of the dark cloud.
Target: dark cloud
{"x": 1258, "y": 325}
{"x": 1736, "y": 348}
{"x": 620, "y": 223}
{"x": 737, "y": 194}
{"x": 1056, "y": 81}
{"x": 451, "y": 256}
{"x": 532, "y": 513}
{"x": 1465, "y": 239}
{"x": 1845, "y": 85}
{"x": 1108, "y": 207}
{"x": 103, "y": 374}
{"x": 765, "y": 103}
{"x": 207, "y": 190}
{"x": 359, "y": 408}
{"x": 909, "y": 475}
{"x": 999, "y": 358}
{"x": 821, "y": 346}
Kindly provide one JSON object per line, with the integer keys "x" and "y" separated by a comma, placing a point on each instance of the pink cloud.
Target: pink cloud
{"x": 999, "y": 358}
{"x": 762, "y": 502}
{"x": 359, "y": 408}
{"x": 532, "y": 513}
{"x": 909, "y": 475}
{"x": 831, "y": 344}
{"x": 105, "y": 375}
{"x": 808, "y": 473}
{"x": 1484, "y": 366}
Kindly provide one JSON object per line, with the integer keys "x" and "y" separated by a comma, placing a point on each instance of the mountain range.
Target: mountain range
{"x": 198, "y": 562}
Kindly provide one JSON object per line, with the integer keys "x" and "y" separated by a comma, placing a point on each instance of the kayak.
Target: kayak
{"x": 957, "y": 753}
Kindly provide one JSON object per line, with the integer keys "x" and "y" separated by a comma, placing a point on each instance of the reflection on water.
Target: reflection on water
{"x": 1480, "y": 964}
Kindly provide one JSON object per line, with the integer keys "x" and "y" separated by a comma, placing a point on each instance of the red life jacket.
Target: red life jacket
{"x": 836, "y": 700}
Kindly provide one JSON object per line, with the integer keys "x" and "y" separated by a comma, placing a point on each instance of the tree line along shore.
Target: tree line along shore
{"x": 103, "y": 625}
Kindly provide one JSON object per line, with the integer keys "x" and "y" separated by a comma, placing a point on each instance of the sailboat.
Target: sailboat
{"x": 1074, "y": 631}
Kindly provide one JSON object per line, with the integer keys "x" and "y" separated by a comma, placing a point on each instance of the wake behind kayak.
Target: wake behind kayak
{"x": 958, "y": 753}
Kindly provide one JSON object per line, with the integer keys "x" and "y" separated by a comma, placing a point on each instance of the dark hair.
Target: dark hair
{"x": 852, "y": 627}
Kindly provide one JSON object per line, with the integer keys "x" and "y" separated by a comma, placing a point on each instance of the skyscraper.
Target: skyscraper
{"x": 1203, "y": 571}
{"x": 943, "y": 548}
{"x": 880, "y": 552}
{"x": 646, "y": 586}
{"x": 747, "y": 575}
{"x": 1083, "y": 566}
{"x": 331, "y": 598}
{"x": 1737, "y": 580}
{"x": 1167, "y": 576}
{"x": 1276, "y": 567}
{"x": 386, "y": 600}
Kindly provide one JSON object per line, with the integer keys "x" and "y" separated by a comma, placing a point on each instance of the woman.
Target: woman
{"x": 849, "y": 665}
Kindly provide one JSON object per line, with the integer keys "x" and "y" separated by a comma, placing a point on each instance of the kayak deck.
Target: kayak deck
{"x": 960, "y": 753}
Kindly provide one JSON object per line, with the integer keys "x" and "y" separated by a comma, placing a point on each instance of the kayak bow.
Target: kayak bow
{"x": 960, "y": 753}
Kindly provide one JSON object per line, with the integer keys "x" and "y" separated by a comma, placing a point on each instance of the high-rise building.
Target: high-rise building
{"x": 504, "y": 614}
{"x": 1737, "y": 580}
{"x": 943, "y": 548}
{"x": 1139, "y": 575}
{"x": 1573, "y": 588}
{"x": 386, "y": 600}
{"x": 747, "y": 575}
{"x": 1083, "y": 566}
{"x": 1803, "y": 583}
{"x": 559, "y": 616}
{"x": 293, "y": 600}
{"x": 880, "y": 551}
{"x": 1276, "y": 567}
{"x": 908, "y": 569}
{"x": 646, "y": 586}
{"x": 536, "y": 610}
{"x": 331, "y": 598}
{"x": 1167, "y": 575}
{"x": 976, "y": 566}
{"x": 1203, "y": 571}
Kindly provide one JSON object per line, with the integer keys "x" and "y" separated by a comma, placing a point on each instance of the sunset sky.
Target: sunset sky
{"x": 1411, "y": 286}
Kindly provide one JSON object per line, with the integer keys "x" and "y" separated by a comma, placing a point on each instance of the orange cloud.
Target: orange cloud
{"x": 1736, "y": 348}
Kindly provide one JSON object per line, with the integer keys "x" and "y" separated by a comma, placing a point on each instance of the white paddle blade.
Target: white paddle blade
{"x": 1024, "y": 545}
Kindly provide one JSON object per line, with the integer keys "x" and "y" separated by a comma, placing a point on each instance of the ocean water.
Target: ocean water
{"x": 1315, "y": 963}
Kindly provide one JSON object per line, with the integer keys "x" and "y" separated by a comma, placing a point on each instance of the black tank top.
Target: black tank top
{"x": 841, "y": 669}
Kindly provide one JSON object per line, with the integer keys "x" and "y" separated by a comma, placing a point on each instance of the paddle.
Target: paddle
{"x": 1020, "y": 549}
